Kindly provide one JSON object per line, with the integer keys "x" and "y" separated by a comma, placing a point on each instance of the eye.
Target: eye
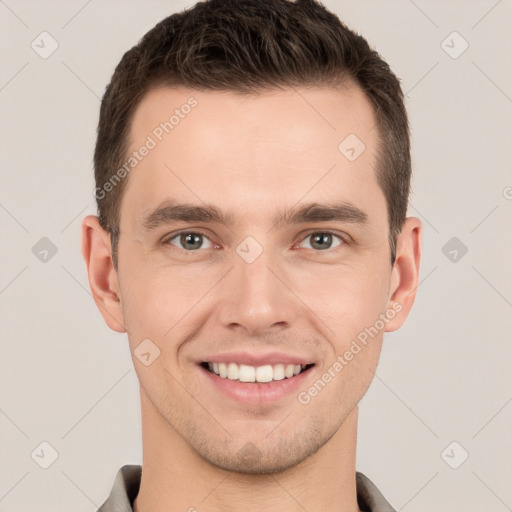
{"x": 190, "y": 240}
{"x": 323, "y": 240}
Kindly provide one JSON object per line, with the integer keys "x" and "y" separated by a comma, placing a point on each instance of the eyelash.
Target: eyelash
{"x": 343, "y": 238}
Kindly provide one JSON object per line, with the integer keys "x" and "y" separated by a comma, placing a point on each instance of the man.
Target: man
{"x": 252, "y": 175}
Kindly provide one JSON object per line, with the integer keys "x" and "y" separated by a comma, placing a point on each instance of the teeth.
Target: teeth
{"x": 264, "y": 373}
{"x": 232, "y": 371}
{"x": 223, "y": 370}
{"x": 246, "y": 373}
{"x": 278, "y": 371}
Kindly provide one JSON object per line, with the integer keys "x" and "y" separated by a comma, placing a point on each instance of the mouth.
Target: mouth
{"x": 256, "y": 379}
{"x": 248, "y": 374}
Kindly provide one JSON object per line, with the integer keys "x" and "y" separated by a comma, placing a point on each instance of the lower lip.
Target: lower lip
{"x": 257, "y": 392}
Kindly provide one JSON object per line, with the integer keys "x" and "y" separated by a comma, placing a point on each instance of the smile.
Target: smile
{"x": 247, "y": 373}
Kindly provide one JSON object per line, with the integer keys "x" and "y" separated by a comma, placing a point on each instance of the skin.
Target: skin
{"x": 254, "y": 155}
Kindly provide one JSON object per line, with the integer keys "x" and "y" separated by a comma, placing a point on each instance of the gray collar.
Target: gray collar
{"x": 127, "y": 483}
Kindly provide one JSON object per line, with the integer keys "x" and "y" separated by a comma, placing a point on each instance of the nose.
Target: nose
{"x": 257, "y": 297}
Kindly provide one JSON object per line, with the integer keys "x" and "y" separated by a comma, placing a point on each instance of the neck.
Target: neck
{"x": 176, "y": 478}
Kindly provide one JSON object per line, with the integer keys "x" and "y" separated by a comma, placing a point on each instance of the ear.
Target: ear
{"x": 97, "y": 253}
{"x": 405, "y": 273}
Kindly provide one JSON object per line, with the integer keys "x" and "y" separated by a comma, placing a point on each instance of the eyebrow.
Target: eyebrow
{"x": 171, "y": 211}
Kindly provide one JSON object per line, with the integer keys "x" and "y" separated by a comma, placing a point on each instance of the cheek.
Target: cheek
{"x": 349, "y": 299}
{"x": 161, "y": 301}
{"x": 158, "y": 300}
{"x": 350, "y": 304}
{"x": 158, "y": 310}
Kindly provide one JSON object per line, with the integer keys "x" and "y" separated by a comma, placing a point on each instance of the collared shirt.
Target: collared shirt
{"x": 127, "y": 483}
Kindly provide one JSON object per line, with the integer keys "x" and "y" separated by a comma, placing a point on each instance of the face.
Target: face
{"x": 293, "y": 268}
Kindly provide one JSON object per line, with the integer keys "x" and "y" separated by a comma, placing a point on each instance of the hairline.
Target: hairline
{"x": 342, "y": 81}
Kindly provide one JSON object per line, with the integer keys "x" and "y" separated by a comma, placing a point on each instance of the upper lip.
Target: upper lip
{"x": 253, "y": 359}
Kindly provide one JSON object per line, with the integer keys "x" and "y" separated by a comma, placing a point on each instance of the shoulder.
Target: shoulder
{"x": 369, "y": 498}
{"x": 124, "y": 491}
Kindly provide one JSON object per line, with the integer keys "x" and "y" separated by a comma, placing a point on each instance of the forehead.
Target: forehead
{"x": 252, "y": 151}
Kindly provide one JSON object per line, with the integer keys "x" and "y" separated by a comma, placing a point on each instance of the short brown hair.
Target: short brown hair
{"x": 247, "y": 46}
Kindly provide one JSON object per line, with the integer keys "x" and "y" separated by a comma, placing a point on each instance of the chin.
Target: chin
{"x": 254, "y": 459}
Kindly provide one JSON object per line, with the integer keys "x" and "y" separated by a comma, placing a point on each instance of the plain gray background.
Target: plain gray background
{"x": 67, "y": 380}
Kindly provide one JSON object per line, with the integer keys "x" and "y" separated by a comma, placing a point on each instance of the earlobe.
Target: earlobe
{"x": 97, "y": 254}
{"x": 405, "y": 273}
